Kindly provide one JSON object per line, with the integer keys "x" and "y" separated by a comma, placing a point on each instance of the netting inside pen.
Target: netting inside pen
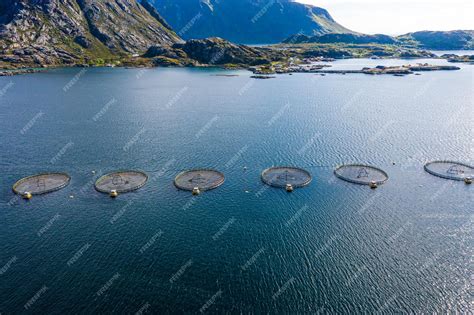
{"x": 282, "y": 176}
{"x": 203, "y": 179}
{"x": 122, "y": 182}
{"x": 450, "y": 170}
{"x": 361, "y": 174}
{"x": 41, "y": 183}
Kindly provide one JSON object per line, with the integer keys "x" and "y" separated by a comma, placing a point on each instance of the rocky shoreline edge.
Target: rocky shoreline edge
{"x": 9, "y": 73}
{"x": 267, "y": 73}
{"x": 268, "y": 60}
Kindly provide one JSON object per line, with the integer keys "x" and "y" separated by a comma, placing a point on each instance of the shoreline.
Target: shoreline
{"x": 305, "y": 67}
{"x": 221, "y": 54}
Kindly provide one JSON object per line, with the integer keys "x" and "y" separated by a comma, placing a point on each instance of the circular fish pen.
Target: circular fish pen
{"x": 121, "y": 182}
{"x": 361, "y": 174}
{"x": 41, "y": 183}
{"x": 286, "y": 177}
{"x": 450, "y": 170}
{"x": 202, "y": 179}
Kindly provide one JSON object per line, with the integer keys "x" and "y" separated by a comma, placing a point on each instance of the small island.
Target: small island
{"x": 459, "y": 59}
{"x": 317, "y": 68}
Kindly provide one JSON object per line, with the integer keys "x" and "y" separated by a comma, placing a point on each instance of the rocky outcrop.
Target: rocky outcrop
{"x": 50, "y": 32}
{"x": 414, "y": 54}
{"x": 459, "y": 59}
{"x": 216, "y": 51}
{"x": 211, "y": 52}
{"x": 17, "y": 72}
{"x": 165, "y": 51}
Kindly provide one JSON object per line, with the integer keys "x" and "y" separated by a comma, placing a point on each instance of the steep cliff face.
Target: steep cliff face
{"x": 246, "y": 21}
{"x": 125, "y": 25}
{"x": 67, "y": 31}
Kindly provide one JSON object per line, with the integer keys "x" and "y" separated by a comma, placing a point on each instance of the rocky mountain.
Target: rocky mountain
{"x": 453, "y": 40}
{"x": 456, "y": 40}
{"x": 213, "y": 51}
{"x": 49, "y": 32}
{"x": 351, "y": 38}
{"x": 246, "y": 21}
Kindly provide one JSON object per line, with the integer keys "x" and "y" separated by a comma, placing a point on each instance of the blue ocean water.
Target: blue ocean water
{"x": 332, "y": 247}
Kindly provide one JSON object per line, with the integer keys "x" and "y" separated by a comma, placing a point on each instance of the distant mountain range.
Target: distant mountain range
{"x": 246, "y": 21}
{"x": 341, "y": 38}
{"x": 453, "y": 40}
{"x": 68, "y": 31}
{"x": 457, "y": 40}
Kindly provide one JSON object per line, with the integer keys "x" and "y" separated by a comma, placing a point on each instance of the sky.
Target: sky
{"x": 395, "y": 17}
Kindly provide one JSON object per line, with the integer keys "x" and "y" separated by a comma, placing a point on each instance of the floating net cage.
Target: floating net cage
{"x": 285, "y": 175}
{"x": 121, "y": 182}
{"x": 203, "y": 179}
{"x": 450, "y": 170}
{"x": 361, "y": 174}
{"x": 41, "y": 183}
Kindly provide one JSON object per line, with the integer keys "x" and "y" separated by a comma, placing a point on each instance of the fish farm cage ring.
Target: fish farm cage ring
{"x": 361, "y": 174}
{"x": 41, "y": 184}
{"x": 199, "y": 180}
{"x": 121, "y": 182}
{"x": 286, "y": 177}
{"x": 450, "y": 170}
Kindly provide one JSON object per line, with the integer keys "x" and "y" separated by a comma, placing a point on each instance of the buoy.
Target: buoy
{"x": 468, "y": 180}
{"x": 373, "y": 185}
{"x": 289, "y": 188}
{"x": 113, "y": 193}
{"x": 196, "y": 191}
{"x": 27, "y": 196}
